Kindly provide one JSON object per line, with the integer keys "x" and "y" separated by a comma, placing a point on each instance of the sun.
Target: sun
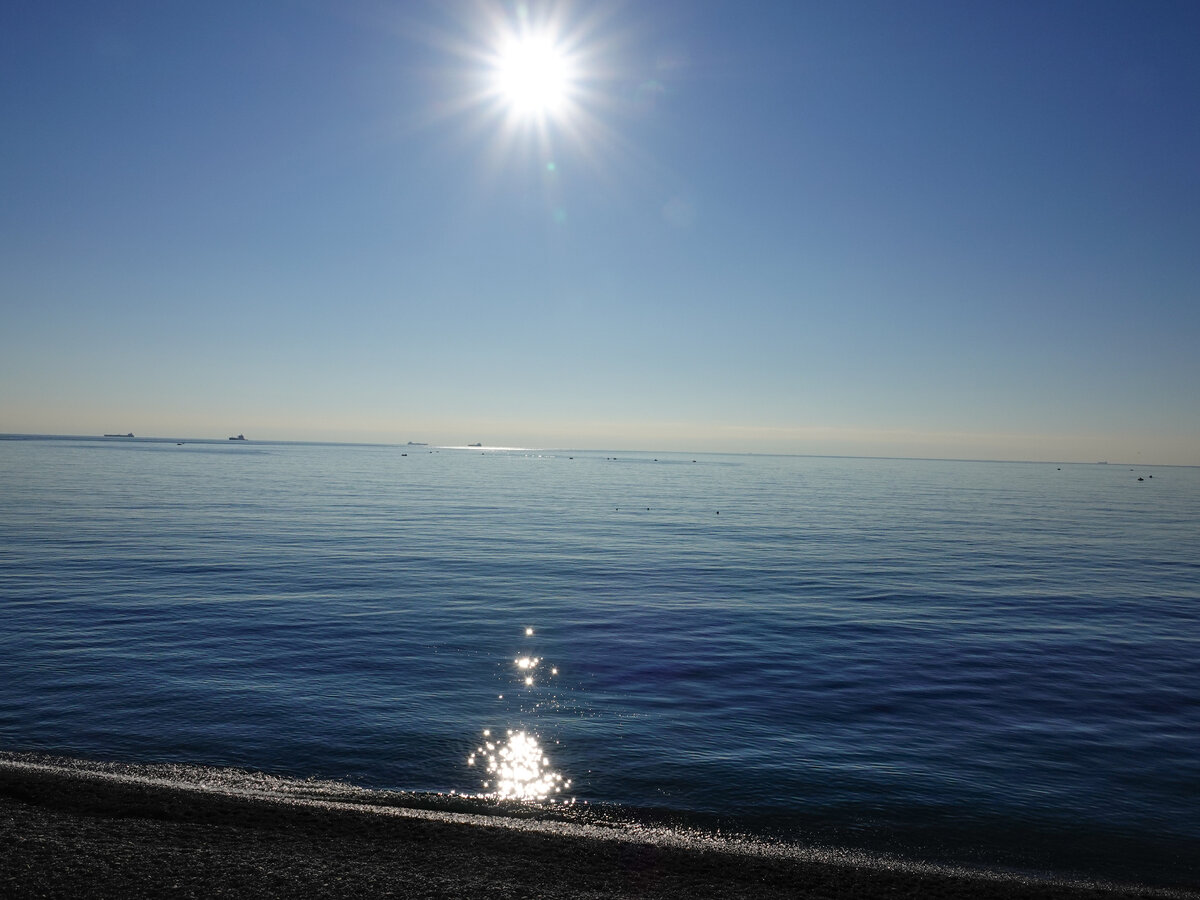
{"x": 534, "y": 77}
{"x": 528, "y": 80}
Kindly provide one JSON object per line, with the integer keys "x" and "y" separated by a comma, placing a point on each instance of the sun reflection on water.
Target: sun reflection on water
{"x": 518, "y": 769}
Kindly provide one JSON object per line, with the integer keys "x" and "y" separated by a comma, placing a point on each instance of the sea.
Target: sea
{"x": 992, "y": 664}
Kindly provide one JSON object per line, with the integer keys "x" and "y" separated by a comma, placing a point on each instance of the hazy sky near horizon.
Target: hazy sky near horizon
{"x": 918, "y": 228}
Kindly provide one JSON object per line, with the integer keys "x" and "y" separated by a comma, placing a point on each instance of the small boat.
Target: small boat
{"x": 240, "y": 437}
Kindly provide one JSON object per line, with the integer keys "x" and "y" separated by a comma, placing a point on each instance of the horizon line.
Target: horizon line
{"x": 509, "y": 449}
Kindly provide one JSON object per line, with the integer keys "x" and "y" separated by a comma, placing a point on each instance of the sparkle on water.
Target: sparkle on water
{"x": 527, "y": 664}
{"x": 518, "y": 769}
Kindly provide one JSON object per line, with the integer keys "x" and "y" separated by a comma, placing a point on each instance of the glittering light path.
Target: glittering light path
{"x": 517, "y": 767}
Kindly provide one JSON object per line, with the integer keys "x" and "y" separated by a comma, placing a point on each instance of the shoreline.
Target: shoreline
{"x": 75, "y": 828}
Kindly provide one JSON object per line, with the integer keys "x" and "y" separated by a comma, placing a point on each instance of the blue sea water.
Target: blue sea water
{"x": 983, "y": 662}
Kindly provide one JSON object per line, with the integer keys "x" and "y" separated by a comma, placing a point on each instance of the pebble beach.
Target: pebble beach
{"x": 73, "y": 829}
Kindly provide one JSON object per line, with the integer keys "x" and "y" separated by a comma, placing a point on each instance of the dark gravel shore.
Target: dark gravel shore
{"x": 82, "y": 833}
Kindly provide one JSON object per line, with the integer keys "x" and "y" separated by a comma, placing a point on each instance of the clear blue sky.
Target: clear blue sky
{"x": 948, "y": 229}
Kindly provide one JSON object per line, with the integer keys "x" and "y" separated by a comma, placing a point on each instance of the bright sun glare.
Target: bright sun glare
{"x": 533, "y": 76}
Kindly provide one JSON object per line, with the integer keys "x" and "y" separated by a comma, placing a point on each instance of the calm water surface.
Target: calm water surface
{"x": 990, "y": 662}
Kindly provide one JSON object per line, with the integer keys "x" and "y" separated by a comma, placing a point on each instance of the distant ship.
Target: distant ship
{"x": 130, "y": 434}
{"x": 240, "y": 437}
{"x": 417, "y": 444}
{"x": 474, "y": 445}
